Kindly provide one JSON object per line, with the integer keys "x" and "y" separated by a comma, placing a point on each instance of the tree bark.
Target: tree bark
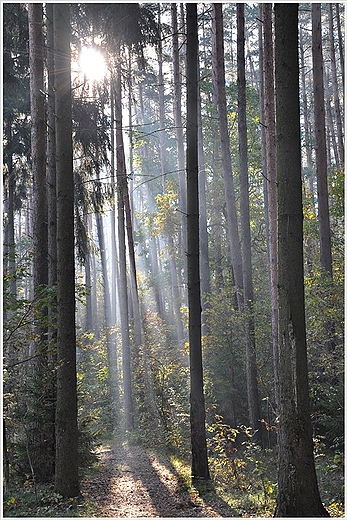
{"x": 251, "y": 363}
{"x": 320, "y": 136}
{"x": 172, "y": 249}
{"x": 51, "y": 155}
{"x": 110, "y": 343}
{"x": 341, "y": 49}
{"x": 38, "y": 144}
{"x": 200, "y": 468}
{"x": 271, "y": 180}
{"x": 331, "y": 138}
{"x": 9, "y": 233}
{"x": 298, "y": 494}
{"x": 218, "y": 72}
{"x": 66, "y": 468}
{"x": 179, "y": 130}
{"x": 205, "y": 276}
{"x": 307, "y": 126}
{"x": 41, "y": 436}
{"x": 123, "y": 285}
{"x": 335, "y": 87}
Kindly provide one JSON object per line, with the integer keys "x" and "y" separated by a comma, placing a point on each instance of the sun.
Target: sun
{"x": 92, "y": 63}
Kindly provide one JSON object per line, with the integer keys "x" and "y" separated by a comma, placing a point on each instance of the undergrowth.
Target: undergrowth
{"x": 246, "y": 480}
{"x": 243, "y": 480}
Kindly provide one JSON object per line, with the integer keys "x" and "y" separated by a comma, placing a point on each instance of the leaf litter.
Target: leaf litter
{"x": 136, "y": 483}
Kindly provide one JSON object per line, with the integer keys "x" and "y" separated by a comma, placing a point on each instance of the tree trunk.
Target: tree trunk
{"x": 112, "y": 311}
{"x": 9, "y": 241}
{"x": 298, "y": 494}
{"x": 38, "y": 144}
{"x": 41, "y": 436}
{"x": 218, "y": 72}
{"x": 9, "y": 235}
{"x": 337, "y": 108}
{"x": 271, "y": 179}
{"x": 88, "y": 281}
{"x": 66, "y": 469}
{"x": 200, "y": 468}
{"x": 320, "y": 136}
{"x": 161, "y": 106}
{"x": 6, "y": 461}
{"x": 179, "y": 130}
{"x": 307, "y": 127}
{"x": 331, "y": 140}
{"x": 341, "y": 49}
{"x": 94, "y": 294}
{"x": 110, "y": 343}
{"x": 172, "y": 249}
{"x": 51, "y": 154}
{"x": 51, "y": 178}
{"x": 205, "y": 276}
{"x": 251, "y": 363}
{"x": 122, "y": 285}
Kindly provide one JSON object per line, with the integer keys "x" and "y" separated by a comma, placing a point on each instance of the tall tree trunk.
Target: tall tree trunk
{"x": 271, "y": 180}
{"x": 88, "y": 281}
{"x": 251, "y": 363}
{"x": 66, "y": 468}
{"x": 38, "y": 144}
{"x": 218, "y": 72}
{"x": 122, "y": 285}
{"x": 41, "y": 443}
{"x": 51, "y": 154}
{"x": 205, "y": 277}
{"x": 205, "y": 274}
{"x": 51, "y": 175}
{"x": 9, "y": 234}
{"x": 331, "y": 140}
{"x": 112, "y": 312}
{"x": 161, "y": 106}
{"x": 307, "y": 127}
{"x": 320, "y": 136}
{"x": 179, "y": 130}
{"x": 51, "y": 215}
{"x": 94, "y": 296}
{"x": 114, "y": 252}
{"x": 197, "y": 402}
{"x": 337, "y": 108}
{"x": 156, "y": 277}
{"x": 9, "y": 247}
{"x": 110, "y": 342}
{"x": 172, "y": 249}
{"x": 341, "y": 49}
{"x": 298, "y": 494}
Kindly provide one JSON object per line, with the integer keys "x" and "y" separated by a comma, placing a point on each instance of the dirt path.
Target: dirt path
{"x": 135, "y": 483}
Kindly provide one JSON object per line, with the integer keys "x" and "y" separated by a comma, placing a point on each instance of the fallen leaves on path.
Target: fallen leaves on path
{"x": 135, "y": 483}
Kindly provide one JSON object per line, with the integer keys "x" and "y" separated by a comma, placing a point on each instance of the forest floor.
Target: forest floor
{"x": 136, "y": 483}
{"x": 132, "y": 481}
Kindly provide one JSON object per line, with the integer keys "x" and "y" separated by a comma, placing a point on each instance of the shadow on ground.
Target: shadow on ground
{"x": 135, "y": 483}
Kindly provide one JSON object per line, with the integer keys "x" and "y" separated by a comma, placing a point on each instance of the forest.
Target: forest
{"x": 173, "y": 259}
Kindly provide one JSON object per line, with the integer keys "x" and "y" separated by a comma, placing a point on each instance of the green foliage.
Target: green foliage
{"x": 95, "y": 407}
{"x": 40, "y": 501}
{"x": 325, "y": 337}
{"x": 170, "y": 385}
{"x": 29, "y": 383}
{"x": 224, "y": 361}
{"x": 167, "y": 220}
